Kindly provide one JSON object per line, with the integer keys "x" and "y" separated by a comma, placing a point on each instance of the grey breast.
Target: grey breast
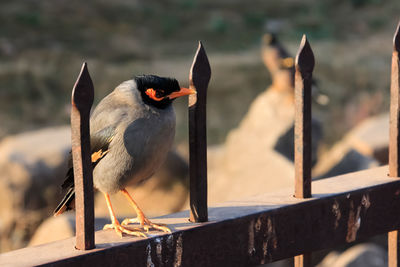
{"x": 143, "y": 136}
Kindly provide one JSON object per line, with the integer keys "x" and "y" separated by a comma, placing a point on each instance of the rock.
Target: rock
{"x": 371, "y": 138}
{"x": 362, "y": 255}
{"x": 251, "y": 152}
{"x": 247, "y": 159}
{"x": 60, "y": 227}
{"x": 253, "y": 174}
{"x": 31, "y": 166}
{"x": 357, "y": 150}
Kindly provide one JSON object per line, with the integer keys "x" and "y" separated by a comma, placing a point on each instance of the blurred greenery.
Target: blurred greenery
{"x": 43, "y": 43}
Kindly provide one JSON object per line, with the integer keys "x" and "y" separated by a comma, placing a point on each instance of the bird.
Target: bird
{"x": 131, "y": 131}
{"x": 282, "y": 68}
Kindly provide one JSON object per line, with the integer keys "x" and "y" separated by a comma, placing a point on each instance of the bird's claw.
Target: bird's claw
{"x": 119, "y": 229}
{"x": 146, "y": 224}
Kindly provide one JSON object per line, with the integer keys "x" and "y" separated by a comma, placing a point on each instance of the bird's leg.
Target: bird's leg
{"x": 141, "y": 218}
{"x": 119, "y": 229}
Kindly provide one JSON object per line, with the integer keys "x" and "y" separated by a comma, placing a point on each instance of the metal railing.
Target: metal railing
{"x": 262, "y": 229}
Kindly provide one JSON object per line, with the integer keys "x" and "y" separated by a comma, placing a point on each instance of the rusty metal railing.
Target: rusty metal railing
{"x": 262, "y": 229}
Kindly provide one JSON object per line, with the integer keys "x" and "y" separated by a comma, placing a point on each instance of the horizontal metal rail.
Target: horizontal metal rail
{"x": 261, "y": 229}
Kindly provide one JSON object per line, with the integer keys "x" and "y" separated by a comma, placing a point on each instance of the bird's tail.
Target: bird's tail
{"x": 67, "y": 203}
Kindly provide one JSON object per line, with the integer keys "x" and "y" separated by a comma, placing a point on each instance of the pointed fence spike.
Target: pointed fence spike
{"x": 396, "y": 38}
{"x": 199, "y": 78}
{"x": 82, "y": 100}
{"x": 305, "y": 57}
{"x": 83, "y": 92}
{"x": 302, "y": 131}
{"x": 303, "y": 79}
{"x": 394, "y": 141}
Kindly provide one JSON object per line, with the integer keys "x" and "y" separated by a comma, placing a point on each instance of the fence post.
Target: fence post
{"x": 82, "y": 100}
{"x": 394, "y": 142}
{"x": 199, "y": 77}
{"x": 302, "y": 130}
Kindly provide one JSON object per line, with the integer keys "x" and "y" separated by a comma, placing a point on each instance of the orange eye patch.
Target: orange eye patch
{"x": 152, "y": 94}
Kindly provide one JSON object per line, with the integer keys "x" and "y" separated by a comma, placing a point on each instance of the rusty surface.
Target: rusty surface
{"x": 394, "y": 142}
{"x": 253, "y": 231}
{"x": 393, "y": 248}
{"x": 199, "y": 78}
{"x": 303, "y": 260}
{"x": 82, "y": 100}
{"x": 302, "y": 130}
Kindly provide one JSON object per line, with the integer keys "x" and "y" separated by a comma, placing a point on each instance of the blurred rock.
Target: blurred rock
{"x": 60, "y": 227}
{"x": 253, "y": 174}
{"x": 362, "y": 255}
{"x": 33, "y": 166}
{"x": 363, "y": 147}
{"x": 54, "y": 228}
{"x": 247, "y": 163}
{"x": 371, "y": 138}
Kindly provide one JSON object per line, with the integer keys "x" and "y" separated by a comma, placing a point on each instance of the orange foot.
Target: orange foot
{"x": 119, "y": 229}
{"x": 146, "y": 224}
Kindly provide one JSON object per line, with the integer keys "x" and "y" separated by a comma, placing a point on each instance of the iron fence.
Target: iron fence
{"x": 262, "y": 229}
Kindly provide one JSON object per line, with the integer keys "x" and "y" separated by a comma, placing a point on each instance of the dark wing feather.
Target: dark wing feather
{"x": 99, "y": 143}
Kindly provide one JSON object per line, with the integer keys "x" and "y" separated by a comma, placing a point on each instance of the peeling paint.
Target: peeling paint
{"x": 170, "y": 242}
{"x": 251, "y": 248}
{"x": 365, "y": 201}
{"x": 337, "y": 213}
{"x": 149, "y": 260}
{"x": 178, "y": 251}
{"x": 353, "y": 223}
{"x": 270, "y": 240}
{"x": 257, "y": 225}
{"x": 159, "y": 249}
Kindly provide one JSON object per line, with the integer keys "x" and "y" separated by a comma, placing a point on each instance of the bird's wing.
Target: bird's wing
{"x": 99, "y": 143}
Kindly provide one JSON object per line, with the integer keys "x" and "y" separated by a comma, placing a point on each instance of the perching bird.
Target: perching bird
{"x": 282, "y": 67}
{"x": 131, "y": 132}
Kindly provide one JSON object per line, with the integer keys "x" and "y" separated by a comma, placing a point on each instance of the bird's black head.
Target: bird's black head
{"x": 159, "y": 91}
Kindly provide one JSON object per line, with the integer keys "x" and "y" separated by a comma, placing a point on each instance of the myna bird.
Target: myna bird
{"x": 131, "y": 131}
{"x": 282, "y": 67}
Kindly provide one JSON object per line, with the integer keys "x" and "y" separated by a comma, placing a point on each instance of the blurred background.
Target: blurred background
{"x": 43, "y": 44}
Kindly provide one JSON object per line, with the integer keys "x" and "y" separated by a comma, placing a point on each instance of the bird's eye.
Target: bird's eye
{"x": 160, "y": 93}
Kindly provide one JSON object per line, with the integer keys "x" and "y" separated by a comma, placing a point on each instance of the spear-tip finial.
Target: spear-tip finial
{"x": 305, "y": 57}
{"x": 200, "y": 72}
{"x": 396, "y": 39}
{"x": 83, "y": 91}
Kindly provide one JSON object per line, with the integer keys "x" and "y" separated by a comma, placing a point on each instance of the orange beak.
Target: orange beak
{"x": 182, "y": 92}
